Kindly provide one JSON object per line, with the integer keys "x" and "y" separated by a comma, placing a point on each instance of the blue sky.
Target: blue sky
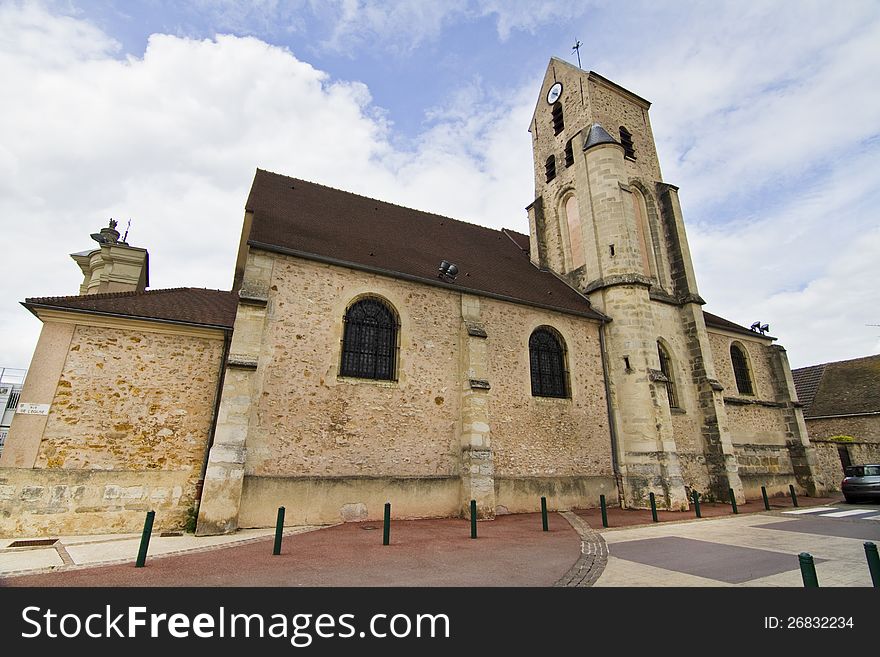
{"x": 766, "y": 116}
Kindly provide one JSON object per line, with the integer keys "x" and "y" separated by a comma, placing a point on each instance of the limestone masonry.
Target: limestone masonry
{"x": 370, "y": 353}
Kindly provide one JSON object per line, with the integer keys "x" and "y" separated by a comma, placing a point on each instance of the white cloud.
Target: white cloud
{"x": 767, "y": 115}
{"x": 172, "y": 139}
{"x": 402, "y": 26}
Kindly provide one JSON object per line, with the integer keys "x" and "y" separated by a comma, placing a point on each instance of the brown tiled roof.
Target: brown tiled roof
{"x": 182, "y": 305}
{"x": 806, "y": 382}
{"x": 313, "y": 221}
{"x": 714, "y": 321}
{"x": 846, "y": 387}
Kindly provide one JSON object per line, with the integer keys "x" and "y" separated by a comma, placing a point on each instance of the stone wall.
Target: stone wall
{"x": 760, "y": 367}
{"x": 543, "y": 436}
{"x": 309, "y": 421}
{"x": 311, "y": 425}
{"x": 755, "y": 423}
{"x": 828, "y": 458}
{"x": 132, "y": 400}
{"x": 864, "y": 428}
{"x": 126, "y": 432}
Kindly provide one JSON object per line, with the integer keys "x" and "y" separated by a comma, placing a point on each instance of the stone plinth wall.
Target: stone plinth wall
{"x": 523, "y": 494}
{"x": 764, "y": 465}
{"x": 326, "y": 500}
{"x": 58, "y": 502}
{"x": 693, "y": 471}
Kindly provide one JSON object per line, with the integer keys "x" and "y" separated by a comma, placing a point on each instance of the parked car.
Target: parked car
{"x": 861, "y": 483}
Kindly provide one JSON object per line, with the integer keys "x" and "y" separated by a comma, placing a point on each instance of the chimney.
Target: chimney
{"x": 114, "y": 266}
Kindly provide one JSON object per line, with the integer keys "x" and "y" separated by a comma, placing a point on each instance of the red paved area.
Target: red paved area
{"x": 618, "y": 517}
{"x": 510, "y": 551}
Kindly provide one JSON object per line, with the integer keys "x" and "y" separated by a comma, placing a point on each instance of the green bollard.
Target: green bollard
{"x": 604, "y": 511}
{"x": 793, "y": 495}
{"x": 766, "y": 501}
{"x": 279, "y": 530}
{"x": 808, "y": 570}
{"x": 544, "y": 514}
{"x": 732, "y": 500}
{"x": 145, "y": 540}
{"x": 386, "y": 527}
{"x": 473, "y": 518}
{"x": 653, "y": 507}
{"x": 873, "y": 563}
{"x": 696, "y": 496}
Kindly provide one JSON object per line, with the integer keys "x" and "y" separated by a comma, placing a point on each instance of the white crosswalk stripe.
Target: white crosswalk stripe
{"x": 815, "y": 509}
{"x": 850, "y": 512}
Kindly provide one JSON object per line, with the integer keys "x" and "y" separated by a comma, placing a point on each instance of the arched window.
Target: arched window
{"x": 550, "y": 168}
{"x": 558, "y": 122}
{"x": 369, "y": 341}
{"x": 626, "y": 140}
{"x": 547, "y": 364}
{"x": 741, "y": 370}
{"x": 669, "y": 373}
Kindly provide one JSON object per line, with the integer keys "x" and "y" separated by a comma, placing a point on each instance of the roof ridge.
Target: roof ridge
{"x": 376, "y": 200}
{"x": 840, "y": 362}
{"x": 118, "y": 295}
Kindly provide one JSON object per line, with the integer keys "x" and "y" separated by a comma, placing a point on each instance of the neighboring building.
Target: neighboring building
{"x": 370, "y": 352}
{"x": 11, "y": 381}
{"x": 842, "y": 411}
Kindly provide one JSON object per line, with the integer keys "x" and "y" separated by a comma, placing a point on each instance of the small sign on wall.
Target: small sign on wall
{"x": 33, "y": 409}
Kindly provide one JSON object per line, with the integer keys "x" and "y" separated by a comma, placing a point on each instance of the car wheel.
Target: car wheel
{"x": 849, "y": 499}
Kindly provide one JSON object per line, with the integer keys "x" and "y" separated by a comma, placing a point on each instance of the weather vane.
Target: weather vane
{"x": 577, "y": 48}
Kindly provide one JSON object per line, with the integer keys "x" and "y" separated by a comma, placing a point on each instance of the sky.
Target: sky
{"x": 766, "y": 116}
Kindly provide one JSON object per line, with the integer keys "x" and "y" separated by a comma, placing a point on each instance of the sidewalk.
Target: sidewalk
{"x": 754, "y": 548}
{"x": 68, "y": 552}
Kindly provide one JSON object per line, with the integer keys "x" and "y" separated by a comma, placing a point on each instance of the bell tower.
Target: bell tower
{"x": 605, "y": 221}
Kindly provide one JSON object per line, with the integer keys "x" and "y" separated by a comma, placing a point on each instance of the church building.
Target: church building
{"x": 371, "y": 353}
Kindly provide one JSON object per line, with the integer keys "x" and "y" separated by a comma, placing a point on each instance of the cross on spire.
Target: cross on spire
{"x": 577, "y": 48}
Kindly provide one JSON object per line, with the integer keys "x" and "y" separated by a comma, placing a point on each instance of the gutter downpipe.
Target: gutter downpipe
{"x": 612, "y": 421}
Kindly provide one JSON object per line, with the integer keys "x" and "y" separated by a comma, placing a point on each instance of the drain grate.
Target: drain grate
{"x": 170, "y": 534}
{"x": 33, "y": 543}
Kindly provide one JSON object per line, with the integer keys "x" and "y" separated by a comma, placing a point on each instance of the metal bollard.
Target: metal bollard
{"x": 808, "y": 570}
{"x": 279, "y": 530}
{"x": 604, "y": 511}
{"x": 766, "y": 501}
{"x": 793, "y": 495}
{"x": 653, "y": 507}
{"x": 473, "y": 518}
{"x": 732, "y": 500}
{"x": 145, "y": 540}
{"x": 696, "y": 496}
{"x": 873, "y": 563}
{"x": 544, "y": 514}
{"x": 386, "y": 527}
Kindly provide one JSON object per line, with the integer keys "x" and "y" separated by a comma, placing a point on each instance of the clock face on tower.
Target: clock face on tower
{"x": 554, "y": 93}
